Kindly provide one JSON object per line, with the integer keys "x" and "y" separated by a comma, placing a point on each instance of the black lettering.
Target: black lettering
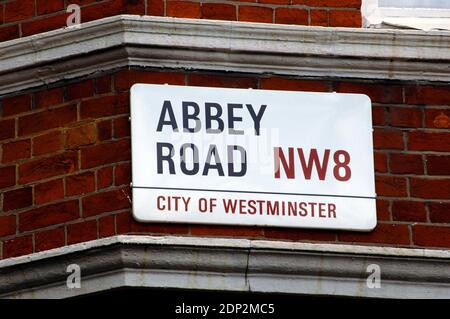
{"x": 167, "y": 108}
{"x": 193, "y": 116}
{"x": 256, "y": 117}
{"x": 241, "y": 150}
{"x": 218, "y": 166}
{"x": 167, "y": 158}
{"x": 196, "y": 165}
{"x": 215, "y": 117}
{"x": 232, "y": 119}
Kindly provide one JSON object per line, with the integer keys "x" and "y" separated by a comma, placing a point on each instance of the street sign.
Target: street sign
{"x": 252, "y": 157}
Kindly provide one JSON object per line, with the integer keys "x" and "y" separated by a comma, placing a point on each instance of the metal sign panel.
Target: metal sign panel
{"x": 252, "y": 157}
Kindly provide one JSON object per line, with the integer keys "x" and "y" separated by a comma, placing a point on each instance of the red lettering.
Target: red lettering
{"x": 342, "y": 164}
{"x": 159, "y": 204}
{"x": 229, "y": 205}
{"x": 313, "y": 160}
{"x": 251, "y": 207}
{"x": 341, "y": 170}
{"x": 331, "y": 211}
{"x": 289, "y": 169}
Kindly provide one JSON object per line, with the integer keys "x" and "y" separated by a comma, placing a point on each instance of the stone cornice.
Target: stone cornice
{"x": 223, "y": 46}
{"x": 229, "y": 265}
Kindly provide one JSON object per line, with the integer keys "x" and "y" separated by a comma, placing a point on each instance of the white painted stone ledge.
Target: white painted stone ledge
{"x": 162, "y": 42}
{"x": 230, "y": 243}
{"x": 240, "y": 265}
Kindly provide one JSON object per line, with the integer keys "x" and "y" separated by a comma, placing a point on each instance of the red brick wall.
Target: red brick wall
{"x": 65, "y": 162}
{"x": 19, "y": 18}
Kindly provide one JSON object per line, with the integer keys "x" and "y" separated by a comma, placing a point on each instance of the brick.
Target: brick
{"x": 345, "y": 18}
{"x": 80, "y": 90}
{"x": 134, "y": 6}
{"x": 105, "y": 202}
{"x": 299, "y": 234}
{"x": 17, "y": 150}
{"x": 47, "y": 143}
{"x": 122, "y": 127}
{"x": 218, "y": 11}
{"x": 50, "y": 239}
{"x": 330, "y": 3}
{"x": 390, "y": 186}
{"x": 17, "y": 104}
{"x": 222, "y": 81}
{"x": 60, "y": 164}
{"x": 105, "y": 106}
{"x": 49, "y": 97}
{"x": 437, "y": 118}
{"x": 46, "y": 6}
{"x": 429, "y": 141}
{"x": 16, "y": 199}
{"x": 104, "y": 130}
{"x": 406, "y": 163}
{"x": 380, "y": 160}
{"x": 7, "y": 129}
{"x": 273, "y": 1}
{"x": 81, "y": 232}
{"x": 431, "y": 236}
{"x": 126, "y": 78}
{"x": 111, "y": 8}
{"x": 427, "y": 94}
{"x": 291, "y": 16}
{"x": 381, "y": 93}
{"x": 392, "y": 234}
{"x": 46, "y": 120}
{"x": 183, "y": 9}
{"x": 319, "y": 17}
{"x": 155, "y": 8}
{"x": 18, "y": 10}
{"x": 106, "y": 226}
{"x": 405, "y": 117}
{"x": 103, "y": 84}
{"x": 7, "y": 225}
{"x": 378, "y": 116}
{"x": 430, "y": 188}
{"x": 83, "y": 2}
{"x": 122, "y": 174}
{"x": 9, "y": 32}
{"x": 80, "y": 184}
{"x": 409, "y": 211}
{"x": 105, "y": 153}
{"x": 255, "y": 14}
{"x": 18, "y": 247}
{"x": 385, "y": 138}
{"x": 82, "y": 135}
{"x": 7, "y": 176}
{"x": 127, "y": 224}
{"x": 438, "y": 165}
{"x": 49, "y": 215}
{"x": 103, "y": 9}
{"x": 104, "y": 177}
{"x": 45, "y": 24}
{"x": 383, "y": 210}
{"x": 229, "y": 231}
{"x": 278, "y": 83}
{"x": 48, "y": 192}
{"x": 439, "y": 212}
